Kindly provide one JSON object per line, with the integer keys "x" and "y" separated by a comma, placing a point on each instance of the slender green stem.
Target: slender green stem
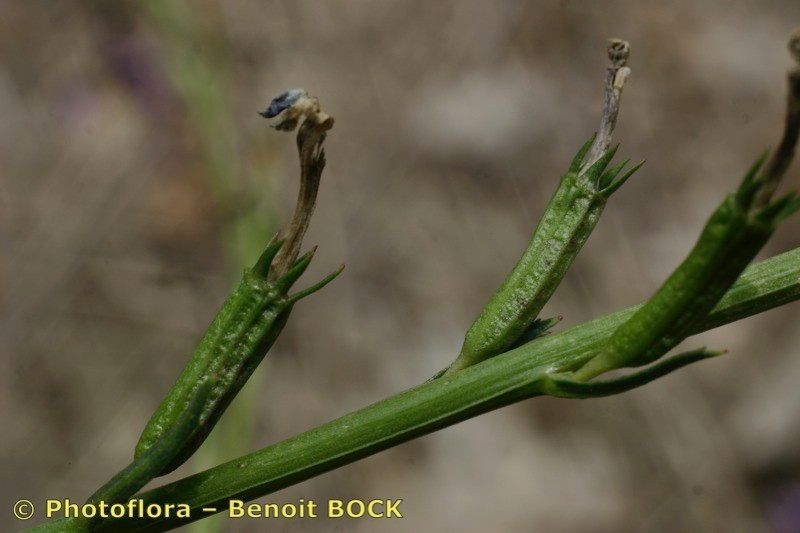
{"x": 502, "y": 380}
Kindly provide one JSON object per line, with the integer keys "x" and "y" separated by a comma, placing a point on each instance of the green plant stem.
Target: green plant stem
{"x": 502, "y": 380}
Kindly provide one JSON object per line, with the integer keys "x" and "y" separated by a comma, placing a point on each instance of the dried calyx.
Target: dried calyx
{"x": 616, "y": 74}
{"x": 289, "y": 109}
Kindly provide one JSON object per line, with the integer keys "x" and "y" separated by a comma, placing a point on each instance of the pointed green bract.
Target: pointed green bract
{"x": 261, "y": 267}
{"x": 615, "y": 184}
{"x": 778, "y": 209}
{"x": 285, "y": 282}
{"x": 299, "y": 295}
{"x": 577, "y": 161}
{"x": 564, "y": 386}
{"x": 539, "y": 328}
{"x": 791, "y": 207}
{"x": 609, "y": 175}
{"x": 596, "y": 170}
{"x": 750, "y": 183}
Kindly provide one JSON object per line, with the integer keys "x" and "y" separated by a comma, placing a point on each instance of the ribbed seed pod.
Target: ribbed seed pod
{"x": 568, "y": 220}
{"x": 238, "y": 339}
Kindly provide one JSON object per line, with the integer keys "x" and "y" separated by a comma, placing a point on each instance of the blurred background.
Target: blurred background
{"x": 137, "y": 181}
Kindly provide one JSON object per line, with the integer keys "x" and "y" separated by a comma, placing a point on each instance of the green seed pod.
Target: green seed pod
{"x": 568, "y": 220}
{"x": 732, "y": 237}
{"x": 238, "y": 339}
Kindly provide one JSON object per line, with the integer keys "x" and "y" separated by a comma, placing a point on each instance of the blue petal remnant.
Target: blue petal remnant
{"x": 282, "y": 102}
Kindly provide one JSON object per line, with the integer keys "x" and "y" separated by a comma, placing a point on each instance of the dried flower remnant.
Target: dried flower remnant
{"x": 294, "y": 104}
{"x": 289, "y": 107}
{"x": 617, "y": 73}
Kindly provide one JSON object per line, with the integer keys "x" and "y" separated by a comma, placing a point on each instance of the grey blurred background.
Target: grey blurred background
{"x": 137, "y": 179}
